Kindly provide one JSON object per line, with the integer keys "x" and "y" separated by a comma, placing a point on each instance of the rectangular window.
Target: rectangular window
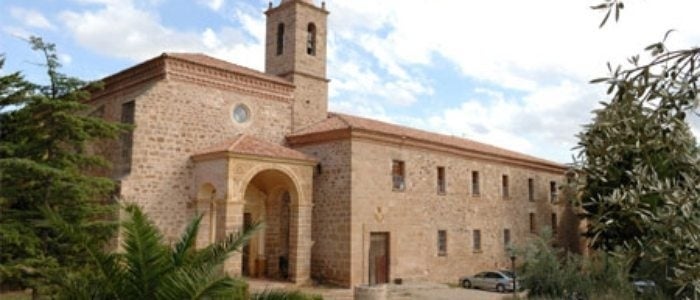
{"x": 553, "y": 191}
{"x": 475, "y": 183}
{"x": 398, "y": 173}
{"x": 441, "y": 186}
{"x": 506, "y": 238}
{"x": 477, "y": 240}
{"x": 504, "y": 187}
{"x": 533, "y": 225}
{"x": 280, "y": 39}
{"x": 127, "y": 137}
{"x": 442, "y": 243}
{"x": 554, "y": 223}
{"x": 531, "y": 189}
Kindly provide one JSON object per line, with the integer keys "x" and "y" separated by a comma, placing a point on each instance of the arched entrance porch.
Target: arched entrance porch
{"x": 256, "y": 181}
{"x": 269, "y": 198}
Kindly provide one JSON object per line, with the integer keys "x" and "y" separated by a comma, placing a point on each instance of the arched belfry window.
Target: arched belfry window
{"x": 280, "y": 38}
{"x": 311, "y": 39}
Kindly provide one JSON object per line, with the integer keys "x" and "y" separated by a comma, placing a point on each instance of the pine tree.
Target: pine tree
{"x": 44, "y": 160}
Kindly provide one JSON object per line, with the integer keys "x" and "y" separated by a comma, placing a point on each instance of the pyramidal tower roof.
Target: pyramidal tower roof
{"x": 305, "y": 1}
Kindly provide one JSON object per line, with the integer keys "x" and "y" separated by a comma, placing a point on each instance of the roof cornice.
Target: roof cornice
{"x": 202, "y": 74}
{"x": 395, "y": 139}
{"x": 167, "y": 66}
{"x": 228, "y": 155}
{"x": 288, "y": 3}
{"x": 145, "y": 72}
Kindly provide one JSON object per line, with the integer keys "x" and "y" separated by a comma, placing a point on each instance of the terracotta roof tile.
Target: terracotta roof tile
{"x": 206, "y": 60}
{"x": 248, "y": 145}
{"x": 337, "y": 121}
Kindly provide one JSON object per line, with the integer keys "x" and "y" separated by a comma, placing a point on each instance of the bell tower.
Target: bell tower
{"x": 295, "y": 49}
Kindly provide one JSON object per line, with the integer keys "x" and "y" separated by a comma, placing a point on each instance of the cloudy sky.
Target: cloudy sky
{"x": 512, "y": 73}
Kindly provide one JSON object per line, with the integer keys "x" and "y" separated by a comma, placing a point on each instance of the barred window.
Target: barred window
{"x": 553, "y": 191}
{"x": 477, "y": 240}
{"x": 506, "y": 238}
{"x": 398, "y": 174}
{"x": 442, "y": 243}
{"x": 441, "y": 186}
{"x": 504, "y": 187}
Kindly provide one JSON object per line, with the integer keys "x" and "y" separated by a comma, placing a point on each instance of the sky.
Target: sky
{"x": 511, "y": 73}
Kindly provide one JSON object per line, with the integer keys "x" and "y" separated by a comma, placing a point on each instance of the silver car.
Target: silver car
{"x": 501, "y": 281}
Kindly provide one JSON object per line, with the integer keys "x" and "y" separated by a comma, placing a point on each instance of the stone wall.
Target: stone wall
{"x": 413, "y": 216}
{"x": 330, "y": 255}
{"x": 175, "y": 120}
{"x": 310, "y": 100}
{"x": 307, "y": 72}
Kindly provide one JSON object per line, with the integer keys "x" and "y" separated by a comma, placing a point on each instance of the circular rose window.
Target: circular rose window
{"x": 241, "y": 113}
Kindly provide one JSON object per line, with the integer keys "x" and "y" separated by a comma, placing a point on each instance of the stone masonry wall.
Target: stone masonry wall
{"x": 109, "y": 108}
{"x": 330, "y": 255}
{"x": 414, "y": 216}
{"x": 175, "y": 120}
{"x": 310, "y": 101}
{"x": 307, "y": 72}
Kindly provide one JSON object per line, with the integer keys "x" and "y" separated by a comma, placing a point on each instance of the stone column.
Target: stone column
{"x": 300, "y": 244}
{"x": 233, "y": 223}
{"x": 204, "y": 234}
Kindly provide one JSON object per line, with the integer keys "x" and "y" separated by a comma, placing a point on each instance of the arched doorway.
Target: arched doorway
{"x": 269, "y": 198}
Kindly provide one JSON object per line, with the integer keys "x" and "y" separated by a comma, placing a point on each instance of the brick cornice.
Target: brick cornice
{"x": 317, "y": 138}
{"x": 168, "y": 67}
{"x": 228, "y": 155}
{"x": 200, "y": 74}
{"x": 382, "y": 138}
{"x": 305, "y": 75}
{"x": 150, "y": 70}
{"x": 285, "y": 4}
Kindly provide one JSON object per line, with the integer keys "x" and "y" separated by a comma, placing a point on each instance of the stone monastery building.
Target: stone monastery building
{"x": 345, "y": 200}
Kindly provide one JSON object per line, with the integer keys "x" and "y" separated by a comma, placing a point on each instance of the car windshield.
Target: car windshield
{"x": 508, "y": 273}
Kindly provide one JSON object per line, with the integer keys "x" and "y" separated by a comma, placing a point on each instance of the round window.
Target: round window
{"x": 241, "y": 113}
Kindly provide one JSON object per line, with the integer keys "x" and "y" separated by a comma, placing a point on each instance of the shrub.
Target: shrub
{"x": 549, "y": 272}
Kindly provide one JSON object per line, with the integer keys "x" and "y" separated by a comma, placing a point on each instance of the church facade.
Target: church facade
{"x": 344, "y": 200}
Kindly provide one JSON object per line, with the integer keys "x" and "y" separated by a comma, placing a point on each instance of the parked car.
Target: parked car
{"x": 501, "y": 281}
{"x": 642, "y": 286}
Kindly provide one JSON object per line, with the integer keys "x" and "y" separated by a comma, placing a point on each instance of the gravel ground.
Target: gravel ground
{"x": 406, "y": 291}
{"x": 432, "y": 291}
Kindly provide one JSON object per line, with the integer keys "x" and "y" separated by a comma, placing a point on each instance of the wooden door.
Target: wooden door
{"x": 245, "y": 263}
{"x": 379, "y": 258}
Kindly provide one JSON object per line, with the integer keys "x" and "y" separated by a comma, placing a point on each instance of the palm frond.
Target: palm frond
{"x": 186, "y": 242}
{"x": 217, "y": 253}
{"x": 200, "y": 282}
{"x": 145, "y": 256}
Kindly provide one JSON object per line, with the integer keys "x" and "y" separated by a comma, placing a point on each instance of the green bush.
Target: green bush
{"x": 549, "y": 272}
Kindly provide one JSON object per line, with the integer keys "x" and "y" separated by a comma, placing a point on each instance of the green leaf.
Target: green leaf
{"x": 605, "y": 19}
